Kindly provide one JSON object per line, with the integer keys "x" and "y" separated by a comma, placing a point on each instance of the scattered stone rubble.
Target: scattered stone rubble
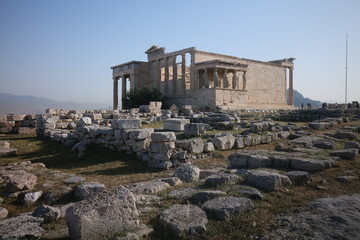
{"x": 94, "y": 212}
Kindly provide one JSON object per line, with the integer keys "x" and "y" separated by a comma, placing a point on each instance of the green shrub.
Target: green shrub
{"x": 143, "y": 96}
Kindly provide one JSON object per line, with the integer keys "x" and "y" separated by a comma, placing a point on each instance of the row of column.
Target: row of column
{"x": 116, "y": 90}
{"x": 158, "y": 78}
{"x": 202, "y": 77}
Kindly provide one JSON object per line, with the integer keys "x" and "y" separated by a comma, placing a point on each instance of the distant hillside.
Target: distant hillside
{"x": 10, "y": 103}
{"x": 299, "y": 99}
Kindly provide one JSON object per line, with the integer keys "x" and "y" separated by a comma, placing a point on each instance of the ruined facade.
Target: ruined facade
{"x": 209, "y": 81}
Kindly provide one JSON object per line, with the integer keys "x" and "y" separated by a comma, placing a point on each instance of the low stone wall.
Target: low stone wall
{"x": 309, "y": 115}
{"x": 17, "y": 123}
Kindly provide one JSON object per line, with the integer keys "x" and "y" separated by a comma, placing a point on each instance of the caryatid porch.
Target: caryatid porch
{"x": 220, "y": 74}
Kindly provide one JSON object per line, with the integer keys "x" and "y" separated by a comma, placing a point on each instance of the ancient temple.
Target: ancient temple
{"x": 209, "y": 81}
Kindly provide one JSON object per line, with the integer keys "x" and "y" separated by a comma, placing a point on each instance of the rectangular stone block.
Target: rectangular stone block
{"x": 16, "y": 117}
{"x": 163, "y": 137}
{"x": 24, "y": 130}
{"x": 174, "y": 124}
{"x": 128, "y": 123}
{"x": 141, "y": 134}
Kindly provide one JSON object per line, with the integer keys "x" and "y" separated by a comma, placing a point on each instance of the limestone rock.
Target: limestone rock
{"x": 259, "y": 161}
{"x": 182, "y": 193}
{"x": 8, "y": 152}
{"x": 56, "y": 194}
{"x": 195, "y": 129}
{"x": 208, "y": 147}
{"x": 203, "y": 196}
{"x": 85, "y": 121}
{"x": 4, "y": 144}
{"x": 163, "y": 137}
{"x": 346, "y": 154}
{"x": 345, "y": 135}
{"x": 220, "y": 179}
{"x": 21, "y": 227}
{"x": 192, "y": 145}
{"x": 30, "y": 198}
{"x": 184, "y": 219}
{"x": 3, "y": 213}
{"x": 225, "y": 142}
{"x": 141, "y": 134}
{"x": 346, "y": 179}
{"x": 299, "y": 177}
{"x": 48, "y": 213}
{"x": 268, "y": 181}
{"x": 172, "y": 181}
{"x": 149, "y": 187}
{"x": 355, "y": 145}
{"x": 175, "y": 124}
{"x": 248, "y": 192}
{"x": 223, "y": 208}
{"x": 308, "y": 165}
{"x": 128, "y": 123}
{"x": 103, "y": 216}
{"x": 325, "y": 218}
{"x": 88, "y": 190}
{"x": 238, "y": 160}
{"x": 73, "y": 180}
{"x": 187, "y": 173}
{"x": 324, "y": 144}
{"x": 19, "y": 180}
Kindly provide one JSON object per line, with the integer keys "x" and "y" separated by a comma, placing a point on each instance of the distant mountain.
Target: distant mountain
{"x": 299, "y": 99}
{"x": 10, "y": 103}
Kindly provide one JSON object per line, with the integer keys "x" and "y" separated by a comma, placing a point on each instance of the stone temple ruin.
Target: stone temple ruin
{"x": 209, "y": 81}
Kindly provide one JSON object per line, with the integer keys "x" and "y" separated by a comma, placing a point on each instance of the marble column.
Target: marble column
{"x": 123, "y": 90}
{"x": 225, "y": 80}
{"x": 244, "y": 81}
{"x": 291, "y": 87}
{"x": 166, "y": 86}
{"x": 158, "y": 79}
{"x": 174, "y": 78}
{"x": 206, "y": 80}
{"x": 115, "y": 94}
{"x": 183, "y": 73}
{"x": 235, "y": 84}
{"x": 216, "y": 78}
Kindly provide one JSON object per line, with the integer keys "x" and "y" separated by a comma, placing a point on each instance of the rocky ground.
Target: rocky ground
{"x": 302, "y": 186}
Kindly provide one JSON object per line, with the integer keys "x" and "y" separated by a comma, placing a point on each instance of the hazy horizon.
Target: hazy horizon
{"x": 63, "y": 50}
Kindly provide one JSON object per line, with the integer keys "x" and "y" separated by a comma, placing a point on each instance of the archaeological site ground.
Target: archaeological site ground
{"x": 181, "y": 173}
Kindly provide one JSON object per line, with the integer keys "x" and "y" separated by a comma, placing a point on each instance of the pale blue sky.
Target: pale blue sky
{"x": 64, "y": 49}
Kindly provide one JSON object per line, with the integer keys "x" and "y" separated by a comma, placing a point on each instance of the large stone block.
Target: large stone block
{"x": 239, "y": 160}
{"x": 223, "y": 208}
{"x": 19, "y": 180}
{"x": 163, "y": 137}
{"x": 140, "y": 134}
{"x": 184, "y": 219}
{"x": 21, "y": 227}
{"x": 268, "y": 181}
{"x": 225, "y": 142}
{"x": 192, "y": 145}
{"x": 128, "y": 123}
{"x": 175, "y": 124}
{"x": 103, "y": 216}
{"x": 187, "y": 173}
{"x": 195, "y": 129}
{"x": 259, "y": 161}
{"x": 158, "y": 147}
{"x": 308, "y": 165}
{"x": 346, "y": 154}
